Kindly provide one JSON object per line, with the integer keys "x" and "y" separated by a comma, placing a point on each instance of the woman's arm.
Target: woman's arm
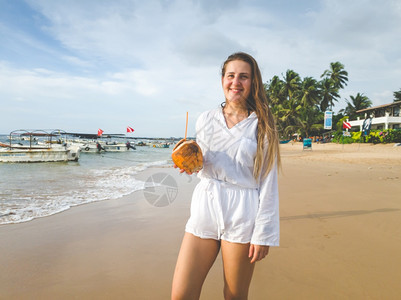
{"x": 267, "y": 223}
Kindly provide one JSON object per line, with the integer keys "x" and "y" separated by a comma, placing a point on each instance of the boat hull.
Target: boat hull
{"x": 38, "y": 155}
{"x": 116, "y": 148}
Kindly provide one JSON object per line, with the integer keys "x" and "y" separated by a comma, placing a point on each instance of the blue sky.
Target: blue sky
{"x": 83, "y": 65}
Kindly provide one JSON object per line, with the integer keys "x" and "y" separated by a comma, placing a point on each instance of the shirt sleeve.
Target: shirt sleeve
{"x": 267, "y": 223}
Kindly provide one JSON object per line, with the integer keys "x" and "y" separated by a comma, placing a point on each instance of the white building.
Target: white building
{"x": 387, "y": 116}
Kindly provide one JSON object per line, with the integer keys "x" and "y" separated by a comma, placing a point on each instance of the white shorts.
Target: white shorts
{"x": 223, "y": 211}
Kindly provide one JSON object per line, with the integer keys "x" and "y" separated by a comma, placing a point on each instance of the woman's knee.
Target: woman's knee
{"x": 178, "y": 293}
{"x": 230, "y": 294}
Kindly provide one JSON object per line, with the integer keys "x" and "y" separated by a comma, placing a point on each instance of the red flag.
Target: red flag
{"x": 346, "y": 125}
{"x": 130, "y": 129}
{"x": 99, "y": 132}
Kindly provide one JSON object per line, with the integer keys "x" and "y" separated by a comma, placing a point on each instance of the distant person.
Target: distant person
{"x": 235, "y": 206}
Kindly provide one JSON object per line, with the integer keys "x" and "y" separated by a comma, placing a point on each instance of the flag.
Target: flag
{"x": 99, "y": 132}
{"x": 130, "y": 129}
{"x": 346, "y": 125}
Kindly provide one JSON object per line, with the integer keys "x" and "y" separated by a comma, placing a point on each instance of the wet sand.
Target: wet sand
{"x": 340, "y": 236}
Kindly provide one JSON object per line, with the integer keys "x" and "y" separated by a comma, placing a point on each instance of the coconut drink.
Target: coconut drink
{"x": 187, "y": 155}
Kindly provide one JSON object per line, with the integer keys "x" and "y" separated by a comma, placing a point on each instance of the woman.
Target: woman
{"x": 235, "y": 205}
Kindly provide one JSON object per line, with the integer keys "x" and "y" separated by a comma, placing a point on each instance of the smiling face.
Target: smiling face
{"x": 237, "y": 81}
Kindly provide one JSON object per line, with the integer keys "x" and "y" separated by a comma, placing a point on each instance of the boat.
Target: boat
{"x": 118, "y": 147}
{"x": 161, "y": 145}
{"x": 101, "y": 146}
{"x": 285, "y": 142}
{"x": 38, "y": 147}
{"x": 93, "y": 143}
{"x": 89, "y": 147}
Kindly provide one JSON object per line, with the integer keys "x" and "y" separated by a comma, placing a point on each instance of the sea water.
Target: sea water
{"x": 33, "y": 190}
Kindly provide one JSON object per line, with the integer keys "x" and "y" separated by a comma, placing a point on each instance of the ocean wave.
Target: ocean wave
{"x": 52, "y": 196}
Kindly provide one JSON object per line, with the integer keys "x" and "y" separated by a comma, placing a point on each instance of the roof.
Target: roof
{"x": 379, "y": 107}
{"x": 94, "y": 135}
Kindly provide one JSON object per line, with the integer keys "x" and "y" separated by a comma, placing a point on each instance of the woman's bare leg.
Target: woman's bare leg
{"x": 194, "y": 261}
{"x": 238, "y": 270}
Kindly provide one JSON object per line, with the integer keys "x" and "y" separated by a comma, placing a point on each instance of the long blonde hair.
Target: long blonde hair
{"x": 267, "y": 132}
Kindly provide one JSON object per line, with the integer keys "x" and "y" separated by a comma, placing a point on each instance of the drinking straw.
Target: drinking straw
{"x": 186, "y": 128}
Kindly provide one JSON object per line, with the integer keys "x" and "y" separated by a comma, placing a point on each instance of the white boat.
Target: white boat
{"x": 48, "y": 152}
{"x": 39, "y": 155}
{"x": 101, "y": 146}
{"x": 118, "y": 147}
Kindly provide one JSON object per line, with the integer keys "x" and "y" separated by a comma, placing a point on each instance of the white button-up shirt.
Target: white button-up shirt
{"x": 228, "y": 156}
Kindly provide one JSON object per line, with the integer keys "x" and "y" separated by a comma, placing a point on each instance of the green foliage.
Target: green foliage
{"x": 360, "y": 101}
{"x": 340, "y": 139}
{"x": 338, "y": 135}
{"x": 375, "y": 137}
{"x": 357, "y": 136}
{"x": 337, "y": 74}
{"x": 397, "y": 96}
{"x": 298, "y": 105}
{"x": 339, "y": 125}
{"x": 347, "y": 140}
{"x": 329, "y": 93}
{"x": 384, "y": 136}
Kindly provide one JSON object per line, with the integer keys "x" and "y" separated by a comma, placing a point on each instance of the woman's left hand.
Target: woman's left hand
{"x": 182, "y": 170}
{"x": 258, "y": 252}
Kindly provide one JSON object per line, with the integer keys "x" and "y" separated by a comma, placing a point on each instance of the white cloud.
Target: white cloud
{"x": 148, "y": 62}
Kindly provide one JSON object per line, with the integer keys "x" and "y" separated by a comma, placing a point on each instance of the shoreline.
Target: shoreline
{"x": 340, "y": 236}
{"x": 21, "y": 214}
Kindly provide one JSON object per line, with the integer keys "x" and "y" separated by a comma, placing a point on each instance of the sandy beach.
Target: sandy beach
{"x": 340, "y": 209}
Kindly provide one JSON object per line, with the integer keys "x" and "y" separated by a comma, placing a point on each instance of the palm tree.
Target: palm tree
{"x": 287, "y": 116}
{"x": 291, "y": 84}
{"x": 337, "y": 74}
{"x": 309, "y": 93}
{"x": 360, "y": 101}
{"x": 310, "y": 120}
{"x": 329, "y": 93}
{"x": 397, "y": 96}
{"x": 273, "y": 91}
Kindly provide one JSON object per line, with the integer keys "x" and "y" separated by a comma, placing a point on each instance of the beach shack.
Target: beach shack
{"x": 387, "y": 116}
